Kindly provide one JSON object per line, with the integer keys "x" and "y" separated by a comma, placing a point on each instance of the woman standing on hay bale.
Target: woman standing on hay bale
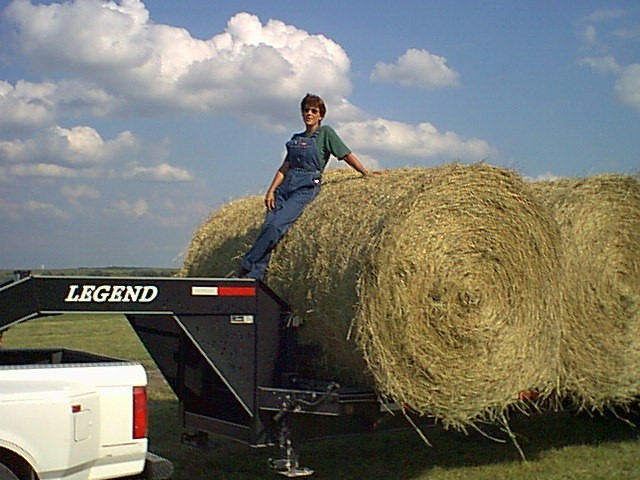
{"x": 297, "y": 182}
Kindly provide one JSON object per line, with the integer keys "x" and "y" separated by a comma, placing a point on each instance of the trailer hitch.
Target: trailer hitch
{"x": 289, "y": 463}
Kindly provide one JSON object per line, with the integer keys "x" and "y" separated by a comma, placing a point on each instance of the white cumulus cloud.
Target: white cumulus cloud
{"x": 627, "y": 83}
{"x": 121, "y": 61}
{"x": 28, "y": 106}
{"x": 45, "y": 209}
{"x": 159, "y": 173}
{"x": 606, "y": 64}
{"x": 68, "y": 35}
{"x": 81, "y": 152}
{"x": 16, "y": 211}
{"x": 627, "y": 87}
{"x": 417, "y": 68}
{"x": 48, "y": 170}
{"x": 627, "y": 77}
{"x": 24, "y": 106}
{"x": 75, "y": 148}
{"x": 134, "y": 209}
{"x": 78, "y": 195}
{"x": 423, "y": 141}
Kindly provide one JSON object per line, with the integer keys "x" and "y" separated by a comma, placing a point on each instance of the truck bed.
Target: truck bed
{"x": 51, "y": 356}
{"x": 87, "y": 414}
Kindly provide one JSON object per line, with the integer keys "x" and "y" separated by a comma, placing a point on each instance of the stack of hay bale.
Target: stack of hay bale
{"x": 439, "y": 287}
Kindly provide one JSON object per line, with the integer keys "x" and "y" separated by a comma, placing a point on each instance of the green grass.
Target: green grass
{"x": 557, "y": 445}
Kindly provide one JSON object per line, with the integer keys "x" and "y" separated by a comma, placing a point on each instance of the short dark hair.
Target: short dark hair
{"x": 311, "y": 100}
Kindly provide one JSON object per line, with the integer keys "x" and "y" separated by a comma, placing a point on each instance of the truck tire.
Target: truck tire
{"x": 6, "y": 473}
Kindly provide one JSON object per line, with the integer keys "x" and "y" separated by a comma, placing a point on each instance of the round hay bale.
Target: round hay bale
{"x": 319, "y": 264}
{"x": 461, "y": 313}
{"x": 434, "y": 286}
{"x": 218, "y": 244}
{"x": 599, "y": 219}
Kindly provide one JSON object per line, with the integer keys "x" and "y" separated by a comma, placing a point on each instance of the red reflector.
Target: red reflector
{"x": 140, "y": 412}
{"x": 237, "y": 291}
{"x": 76, "y": 408}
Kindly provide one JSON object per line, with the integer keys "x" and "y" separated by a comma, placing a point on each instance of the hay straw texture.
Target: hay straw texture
{"x": 435, "y": 286}
{"x": 217, "y": 246}
{"x": 599, "y": 219}
{"x": 461, "y": 313}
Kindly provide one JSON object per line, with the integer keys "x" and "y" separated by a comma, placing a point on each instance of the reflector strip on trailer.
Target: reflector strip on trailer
{"x": 223, "y": 291}
{"x": 204, "y": 291}
{"x": 237, "y": 291}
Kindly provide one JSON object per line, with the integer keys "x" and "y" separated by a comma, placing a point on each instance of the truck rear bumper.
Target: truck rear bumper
{"x": 156, "y": 468}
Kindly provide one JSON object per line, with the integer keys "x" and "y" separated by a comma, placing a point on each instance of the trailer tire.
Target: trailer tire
{"x": 6, "y": 473}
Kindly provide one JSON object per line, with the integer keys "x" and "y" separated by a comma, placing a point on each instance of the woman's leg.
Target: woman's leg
{"x": 276, "y": 224}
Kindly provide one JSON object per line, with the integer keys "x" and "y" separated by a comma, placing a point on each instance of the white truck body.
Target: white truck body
{"x": 73, "y": 421}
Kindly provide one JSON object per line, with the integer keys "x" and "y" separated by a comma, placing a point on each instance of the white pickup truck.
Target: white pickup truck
{"x": 70, "y": 415}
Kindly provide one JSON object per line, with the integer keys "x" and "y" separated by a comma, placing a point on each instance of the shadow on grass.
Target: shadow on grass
{"x": 385, "y": 455}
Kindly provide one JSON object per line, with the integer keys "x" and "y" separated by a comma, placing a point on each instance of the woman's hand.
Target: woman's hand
{"x": 354, "y": 163}
{"x": 270, "y": 197}
{"x": 270, "y": 200}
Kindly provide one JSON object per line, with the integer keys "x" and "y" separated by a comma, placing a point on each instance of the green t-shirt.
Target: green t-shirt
{"x": 329, "y": 143}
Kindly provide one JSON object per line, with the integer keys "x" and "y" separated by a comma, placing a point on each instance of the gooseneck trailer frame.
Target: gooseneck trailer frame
{"x": 226, "y": 346}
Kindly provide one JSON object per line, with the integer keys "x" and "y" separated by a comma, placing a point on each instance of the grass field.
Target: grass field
{"x": 557, "y": 445}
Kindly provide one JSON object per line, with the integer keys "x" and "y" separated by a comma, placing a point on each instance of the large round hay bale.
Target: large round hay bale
{"x": 219, "y": 243}
{"x": 319, "y": 265}
{"x": 435, "y": 286}
{"x": 599, "y": 219}
{"x": 461, "y": 313}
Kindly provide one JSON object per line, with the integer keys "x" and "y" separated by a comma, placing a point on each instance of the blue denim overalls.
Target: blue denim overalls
{"x": 300, "y": 185}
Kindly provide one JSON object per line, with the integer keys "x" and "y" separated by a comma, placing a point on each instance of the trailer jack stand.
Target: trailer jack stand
{"x": 288, "y": 465}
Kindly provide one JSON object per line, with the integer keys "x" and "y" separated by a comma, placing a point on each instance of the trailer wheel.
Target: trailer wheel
{"x": 6, "y": 473}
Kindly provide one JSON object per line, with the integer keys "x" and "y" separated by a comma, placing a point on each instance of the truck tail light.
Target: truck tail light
{"x": 140, "y": 412}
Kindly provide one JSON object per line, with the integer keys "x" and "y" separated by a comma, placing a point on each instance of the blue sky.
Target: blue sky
{"x": 123, "y": 124}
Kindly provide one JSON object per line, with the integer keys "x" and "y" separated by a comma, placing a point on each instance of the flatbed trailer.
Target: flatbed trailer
{"x": 228, "y": 349}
